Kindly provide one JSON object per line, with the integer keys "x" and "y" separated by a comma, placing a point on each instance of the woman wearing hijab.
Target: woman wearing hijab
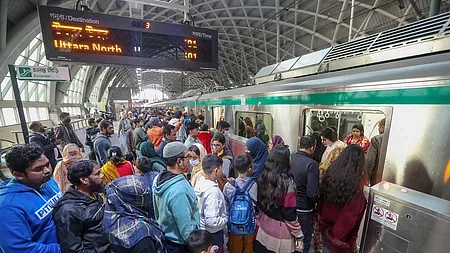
{"x": 258, "y": 150}
{"x": 276, "y": 139}
{"x": 196, "y": 154}
{"x": 148, "y": 150}
{"x": 71, "y": 154}
{"x": 126, "y": 220}
{"x": 117, "y": 166}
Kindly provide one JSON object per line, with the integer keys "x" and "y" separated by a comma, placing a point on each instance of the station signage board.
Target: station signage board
{"x": 43, "y": 73}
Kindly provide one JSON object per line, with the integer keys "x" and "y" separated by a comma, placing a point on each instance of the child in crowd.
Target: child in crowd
{"x": 242, "y": 242}
{"x": 201, "y": 241}
{"x": 211, "y": 203}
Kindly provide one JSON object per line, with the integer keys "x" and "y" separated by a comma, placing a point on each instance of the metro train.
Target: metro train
{"x": 402, "y": 75}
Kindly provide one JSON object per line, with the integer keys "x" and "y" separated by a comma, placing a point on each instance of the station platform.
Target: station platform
{"x": 115, "y": 141}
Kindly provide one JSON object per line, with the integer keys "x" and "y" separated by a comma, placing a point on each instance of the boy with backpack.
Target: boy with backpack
{"x": 241, "y": 195}
{"x": 211, "y": 203}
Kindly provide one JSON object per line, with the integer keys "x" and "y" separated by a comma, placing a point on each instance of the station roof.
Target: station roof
{"x": 247, "y": 34}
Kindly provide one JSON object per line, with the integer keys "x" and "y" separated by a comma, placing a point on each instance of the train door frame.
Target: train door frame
{"x": 388, "y": 112}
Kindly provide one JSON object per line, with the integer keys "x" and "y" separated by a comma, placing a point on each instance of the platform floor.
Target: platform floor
{"x": 116, "y": 141}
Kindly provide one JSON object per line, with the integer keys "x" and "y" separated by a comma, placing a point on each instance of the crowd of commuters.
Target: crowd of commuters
{"x": 179, "y": 189}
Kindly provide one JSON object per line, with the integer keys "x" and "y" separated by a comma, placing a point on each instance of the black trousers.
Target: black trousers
{"x": 305, "y": 220}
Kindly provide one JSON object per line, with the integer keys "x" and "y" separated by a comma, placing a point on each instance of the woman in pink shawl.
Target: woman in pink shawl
{"x": 71, "y": 154}
{"x": 276, "y": 139}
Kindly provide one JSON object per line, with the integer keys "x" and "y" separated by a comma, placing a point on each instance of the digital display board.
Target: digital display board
{"x": 93, "y": 38}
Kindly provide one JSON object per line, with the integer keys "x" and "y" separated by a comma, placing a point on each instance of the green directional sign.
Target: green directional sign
{"x": 25, "y": 72}
{"x": 43, "y": 73}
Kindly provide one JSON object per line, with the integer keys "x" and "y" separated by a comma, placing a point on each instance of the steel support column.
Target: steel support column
{"x": 19, "y": 104}
{"x": 435, "y": 6}
{"x": 277, "y": 6}
{"x": 3, "y": 22}
{"x": 352, "y": 15}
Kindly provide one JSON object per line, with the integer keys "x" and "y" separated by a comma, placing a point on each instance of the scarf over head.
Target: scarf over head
{"x": 71, "y": 154}
{"x": 126, "y": 218}
{"x": 276, "y": 139}
{"x": 259, "y": 153}
{"x": 202, "y": 155}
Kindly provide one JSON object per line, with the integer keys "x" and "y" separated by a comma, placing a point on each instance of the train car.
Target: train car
{"x": 402, "y": 75}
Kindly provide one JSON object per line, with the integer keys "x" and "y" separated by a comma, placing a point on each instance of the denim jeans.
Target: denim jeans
{"x": 305, "y": 220}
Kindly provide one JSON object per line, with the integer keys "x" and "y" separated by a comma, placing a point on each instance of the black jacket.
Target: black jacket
{"x": 91, "y": 133}
{"x": 78, "y": 220}
{"x": 46, "y": 145}
{"x": 306, "y": 176}
{"x": 373, "y": 157}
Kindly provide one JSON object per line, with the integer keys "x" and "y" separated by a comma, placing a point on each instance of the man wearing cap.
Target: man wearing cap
{"x": 174, "y": 199}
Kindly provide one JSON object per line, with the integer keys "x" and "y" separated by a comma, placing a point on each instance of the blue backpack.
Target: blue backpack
{"x": 242, "y": 217}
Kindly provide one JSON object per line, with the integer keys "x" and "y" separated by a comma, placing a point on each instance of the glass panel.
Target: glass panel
{"x": 25, "y": 112}
{"x": 34, "y": 42}
{"x": 316, "y": 120}
{"x": 32, "y": 96}
{"x": 250, "y": 124}
{"x": 34, "y": 55}
{"x": 43, "y": 113}
{"x": 20, "y": 60}
{"x": 5, "y": 82}
{"x": 9, "y": 115}
{"x": 8, "y": 95}
{"x": 33, "y": 113}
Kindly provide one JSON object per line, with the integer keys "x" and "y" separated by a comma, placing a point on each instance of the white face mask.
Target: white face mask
{"x": 194, "y": 162}
{"x": 226, "y": 133}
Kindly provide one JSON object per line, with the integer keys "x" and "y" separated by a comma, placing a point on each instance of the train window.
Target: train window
{"x": 218, "y": 114}
{"x": 250, "y": 124}
{"x": 316, "y": 120}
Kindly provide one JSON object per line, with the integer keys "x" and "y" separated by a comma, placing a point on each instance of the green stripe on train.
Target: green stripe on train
{"x": 429, "y": 95}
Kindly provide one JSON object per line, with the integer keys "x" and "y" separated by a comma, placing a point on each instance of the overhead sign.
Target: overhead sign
{"x": 88, "y": 37}
{"x": 40, "y": 73}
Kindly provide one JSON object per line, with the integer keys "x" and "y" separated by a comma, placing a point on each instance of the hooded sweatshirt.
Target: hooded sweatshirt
{"x": 27, "y": 224}
{"x": 101, "y": 145}
{"x": 175, "y": 206}
{"x": 211, "y": 203}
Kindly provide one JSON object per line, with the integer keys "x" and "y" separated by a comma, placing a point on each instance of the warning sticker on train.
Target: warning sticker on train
{"x": 391, "y": 220}
{"x": 377, "y": 214}
{"x": 384, "y": 217}
{"x": 382, "y": 201}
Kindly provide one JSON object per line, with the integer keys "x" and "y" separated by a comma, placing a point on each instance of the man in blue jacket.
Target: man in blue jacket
{"x": 26, "y": 203}
{"x": 174, "y": 199}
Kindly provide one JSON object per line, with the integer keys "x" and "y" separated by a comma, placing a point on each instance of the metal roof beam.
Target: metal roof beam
{"x": 382, "y": 12}
{"x": 238, "y": 35}
{"x": 319, "y": 35}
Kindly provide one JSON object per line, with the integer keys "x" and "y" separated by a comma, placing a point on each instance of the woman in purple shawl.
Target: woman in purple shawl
{"x": 276, "y": 139}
